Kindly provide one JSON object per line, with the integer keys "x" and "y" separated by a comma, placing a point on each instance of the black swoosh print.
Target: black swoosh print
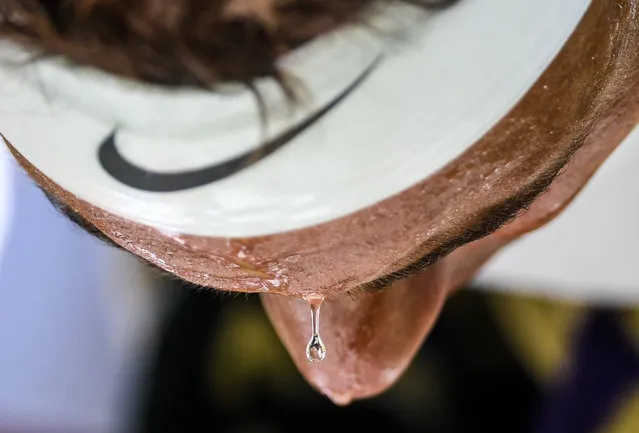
{"x": 129, "y": 174}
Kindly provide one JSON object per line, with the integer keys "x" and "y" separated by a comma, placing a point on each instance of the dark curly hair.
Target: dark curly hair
{"x": 178, "y": 42}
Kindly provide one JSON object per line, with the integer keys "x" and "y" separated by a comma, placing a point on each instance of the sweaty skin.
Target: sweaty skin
{"x": 581, "y": 108}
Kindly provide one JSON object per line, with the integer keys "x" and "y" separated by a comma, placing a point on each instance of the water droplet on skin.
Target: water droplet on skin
{"x": 315, "y": 350}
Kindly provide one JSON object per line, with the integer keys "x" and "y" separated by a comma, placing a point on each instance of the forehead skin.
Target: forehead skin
{"x": 587, "y": 95}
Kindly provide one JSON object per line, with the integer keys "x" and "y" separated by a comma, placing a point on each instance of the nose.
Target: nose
{"x": 370, "y": 339}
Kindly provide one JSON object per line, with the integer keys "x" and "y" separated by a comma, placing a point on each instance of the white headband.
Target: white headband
{"x": 381, "y": 114}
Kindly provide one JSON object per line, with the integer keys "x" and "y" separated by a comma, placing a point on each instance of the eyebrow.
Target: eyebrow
{"x": 489, "y": 221}
{"x": 486, "y": 223}
{"x": 78, "y": 220}
{"x": 88, "y": 227}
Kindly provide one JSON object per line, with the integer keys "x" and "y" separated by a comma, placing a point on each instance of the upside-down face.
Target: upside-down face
{"x": 372, "y": 155}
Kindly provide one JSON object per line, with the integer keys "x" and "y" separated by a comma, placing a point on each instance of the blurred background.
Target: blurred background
{"x": 544, "y": 340}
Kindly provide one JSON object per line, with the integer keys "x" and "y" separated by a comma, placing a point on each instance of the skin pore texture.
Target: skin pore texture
{"x": 551, "y": 142}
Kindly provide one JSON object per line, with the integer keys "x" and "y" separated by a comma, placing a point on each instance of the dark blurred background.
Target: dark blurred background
{"x": 220, "y": 367}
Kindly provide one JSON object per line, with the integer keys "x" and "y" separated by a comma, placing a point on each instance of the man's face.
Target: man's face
{"x": 385, "y": 269}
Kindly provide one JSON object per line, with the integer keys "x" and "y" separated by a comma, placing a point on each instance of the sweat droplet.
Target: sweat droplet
{"x": 315, "y": 350}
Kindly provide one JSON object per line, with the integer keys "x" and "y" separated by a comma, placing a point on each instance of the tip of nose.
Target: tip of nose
{"x": 340, "y": 399}
{"x": 342, "y": 391}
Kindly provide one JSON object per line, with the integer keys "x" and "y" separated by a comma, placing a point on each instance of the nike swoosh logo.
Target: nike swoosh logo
{"x": 129, "y": 174}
